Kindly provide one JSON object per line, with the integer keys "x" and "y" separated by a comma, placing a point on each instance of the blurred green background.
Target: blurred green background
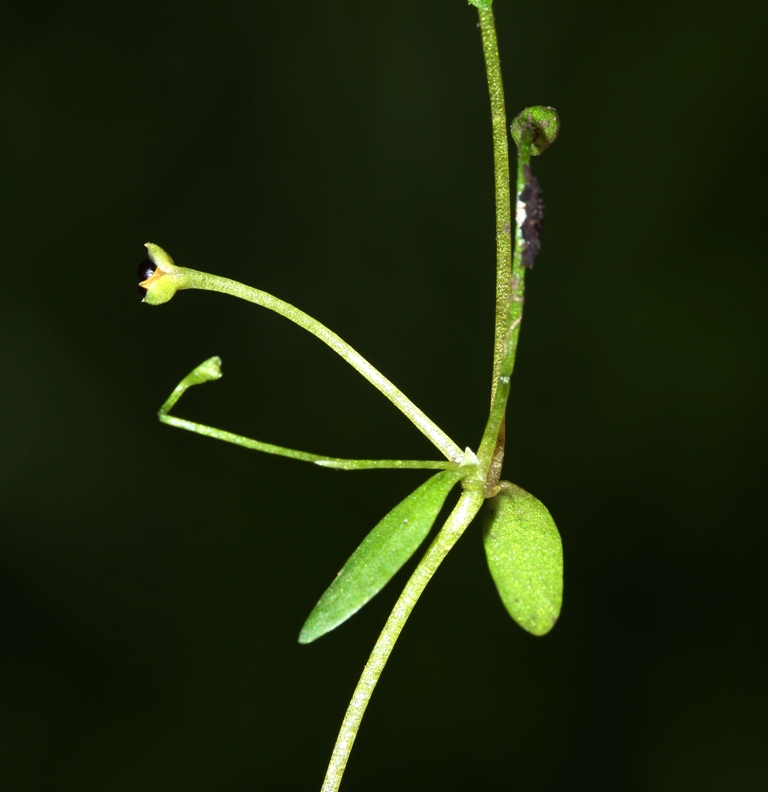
{"x": 337, "y": 154}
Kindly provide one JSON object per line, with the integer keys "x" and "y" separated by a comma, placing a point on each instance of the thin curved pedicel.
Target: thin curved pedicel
{"x": 210, "y": 370}
{"x": 168, "y": 278}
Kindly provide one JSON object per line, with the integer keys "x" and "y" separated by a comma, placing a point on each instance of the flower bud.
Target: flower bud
{"x": 536, "y": 127}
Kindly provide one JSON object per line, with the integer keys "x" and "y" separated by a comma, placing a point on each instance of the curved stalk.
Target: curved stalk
{"x": 457, "y": 522}
{"x": 210, "y": 370}
{"x": 304, "y": 456}
{"x": 192, "y": 279}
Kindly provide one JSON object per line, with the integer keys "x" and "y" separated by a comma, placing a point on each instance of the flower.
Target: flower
{"x": 160, "y": 276}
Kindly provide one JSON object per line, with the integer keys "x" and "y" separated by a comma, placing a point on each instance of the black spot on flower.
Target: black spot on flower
{"x": 145, "y": 271}
{"x": 146, "y": 268}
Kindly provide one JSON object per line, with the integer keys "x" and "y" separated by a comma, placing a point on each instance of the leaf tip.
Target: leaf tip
{"x": 306, "y": 636}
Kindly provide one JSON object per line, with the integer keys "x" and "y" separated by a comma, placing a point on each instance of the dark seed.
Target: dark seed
{"x": 146, "y": 268}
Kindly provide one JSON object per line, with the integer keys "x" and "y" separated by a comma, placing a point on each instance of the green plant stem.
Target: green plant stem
{"x": 192, "y": 279}
{"x": 509, "y": 291}
{"x": 304, "y": 456}
{"x": 492, "y": 448}
{"x": 461, "y": 516}
{"x": 504, "y": 221}
{"x": 510, "y": 275}
{"x": 210, "y": 370}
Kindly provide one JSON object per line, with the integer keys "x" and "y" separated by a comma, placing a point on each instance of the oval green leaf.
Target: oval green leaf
{"x": 386, "y": 548}
{"x": 525, "y": 556}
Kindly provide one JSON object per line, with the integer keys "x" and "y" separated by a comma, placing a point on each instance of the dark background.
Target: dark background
{"x": 337, "y": 154}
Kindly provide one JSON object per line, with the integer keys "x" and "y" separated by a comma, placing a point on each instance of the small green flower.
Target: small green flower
{"x": 160, "y": 276}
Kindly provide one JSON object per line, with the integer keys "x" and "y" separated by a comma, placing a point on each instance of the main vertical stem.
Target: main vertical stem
{"x": 504, "y": 223}
{"x": 505, "y": 229}
{"x": 471, "y": 499}
{"x": 457, "y": 522}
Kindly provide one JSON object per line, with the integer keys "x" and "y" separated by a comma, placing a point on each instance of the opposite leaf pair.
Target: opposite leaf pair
{"x": 522, "y": 545}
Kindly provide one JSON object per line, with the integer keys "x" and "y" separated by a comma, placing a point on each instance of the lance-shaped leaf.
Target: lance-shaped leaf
{"x": 386, "y": 548}
{"x": 525, "y": 556}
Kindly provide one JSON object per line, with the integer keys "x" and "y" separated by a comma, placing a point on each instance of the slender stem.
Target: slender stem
{"x": 457, "y": 522}
{"x": 304, "y": 456}
{"x": 210, "y": 370}
{"x": 192, "y": 279}
{"x": 510, "y": 274}
{"x": 501, "y": 179}
{"x": 492, "y": 446}
{"x": 509, "y": 300}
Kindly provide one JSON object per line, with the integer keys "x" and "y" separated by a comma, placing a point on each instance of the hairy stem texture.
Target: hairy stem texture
{"x": 504, "y": 220}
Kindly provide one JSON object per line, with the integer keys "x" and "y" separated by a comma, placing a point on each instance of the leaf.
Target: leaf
{"x": 525, "y": 556}
{"x": 484, "y": 4}
{"x": 380, "y": 555}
